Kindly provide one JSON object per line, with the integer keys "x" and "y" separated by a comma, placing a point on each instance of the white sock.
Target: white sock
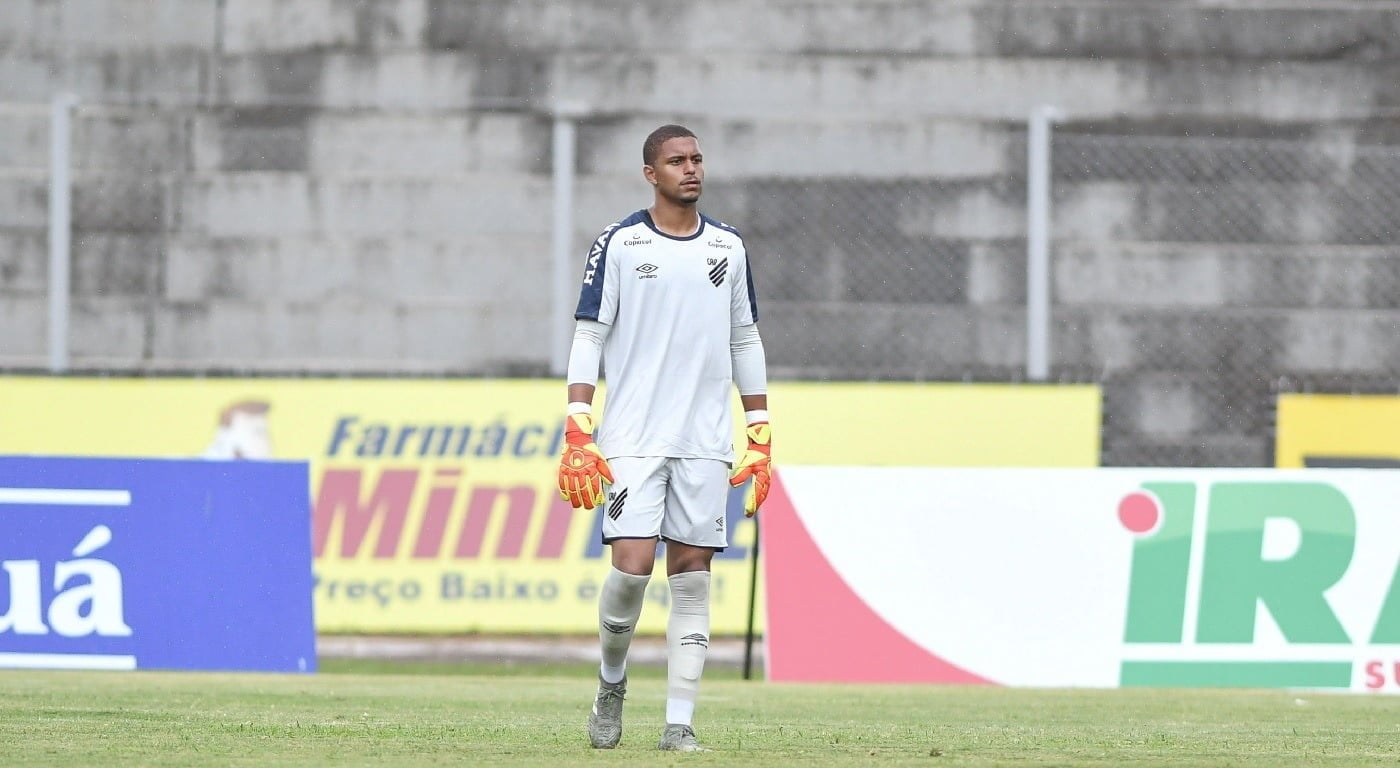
{"x": 687, "y": 642}
{"x": 679, "y": 712}
{"x": 619, "y": 606}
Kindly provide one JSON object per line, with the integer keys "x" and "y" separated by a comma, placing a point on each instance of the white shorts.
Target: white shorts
{"x": 680, "y": 500}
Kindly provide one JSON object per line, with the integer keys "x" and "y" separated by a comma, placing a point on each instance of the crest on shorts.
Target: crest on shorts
{"x": 615, "y": 507}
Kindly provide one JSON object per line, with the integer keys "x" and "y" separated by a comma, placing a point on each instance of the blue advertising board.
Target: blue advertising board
{"x": 173, "y": 564}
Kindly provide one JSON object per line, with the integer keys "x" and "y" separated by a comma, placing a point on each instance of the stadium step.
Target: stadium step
{"x": 448, "y": 272}
{"x": 1135, "y": 28}
{"x": 1140, "y": 28}
{"x": 1218, "y": 275}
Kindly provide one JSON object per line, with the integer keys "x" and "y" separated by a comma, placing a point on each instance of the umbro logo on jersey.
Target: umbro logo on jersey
{"x": 637, "y": 240}
{"x": 717, "y": 272}
{"x": 615, "y": 508}
{"x": 647, "y": 270}
{"x": 718, "y": 243}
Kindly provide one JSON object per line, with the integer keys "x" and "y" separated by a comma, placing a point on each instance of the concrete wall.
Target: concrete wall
{"x": 362, "y": 185}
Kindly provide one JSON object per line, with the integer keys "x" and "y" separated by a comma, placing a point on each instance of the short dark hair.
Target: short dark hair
{"x": 652, "y": 146}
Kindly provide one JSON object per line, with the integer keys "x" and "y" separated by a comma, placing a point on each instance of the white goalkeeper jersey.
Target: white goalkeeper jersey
{"x": 671, "y": 302}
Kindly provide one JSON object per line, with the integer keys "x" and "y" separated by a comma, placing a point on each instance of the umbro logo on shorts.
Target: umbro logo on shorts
{"x": 695, "y": 638}
{"x": 719, "y": 523}
{"x": 615, "y": 508}
{"x": 717, "y": 272}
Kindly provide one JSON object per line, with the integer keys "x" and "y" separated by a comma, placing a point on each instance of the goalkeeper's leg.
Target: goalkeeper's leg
{"x": 619, "y": 607}
{"x": 694, "y": 527}
{"x": 631, "y": 523}
{"x": 688, "y": 631}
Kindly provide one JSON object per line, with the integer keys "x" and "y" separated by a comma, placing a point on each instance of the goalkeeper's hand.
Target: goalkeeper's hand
{"x": 756, "y": 463}
{"x": 582, "y": 468}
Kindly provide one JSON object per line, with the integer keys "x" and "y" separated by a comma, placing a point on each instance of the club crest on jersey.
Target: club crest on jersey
{"x": 718, "y": 271}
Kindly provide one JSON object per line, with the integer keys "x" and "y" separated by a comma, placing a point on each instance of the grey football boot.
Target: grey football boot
{"x": 679, "y": 738}
{"x": 605, "y": 721}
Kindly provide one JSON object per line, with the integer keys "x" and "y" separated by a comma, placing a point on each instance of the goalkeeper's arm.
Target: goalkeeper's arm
{"x": 584, "y": 358}
{"x": 751, "y": 376}
{"x": 582, "y": 467}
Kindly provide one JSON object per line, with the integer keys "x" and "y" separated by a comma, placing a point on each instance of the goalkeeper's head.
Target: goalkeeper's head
{"x": 672, "y": 163}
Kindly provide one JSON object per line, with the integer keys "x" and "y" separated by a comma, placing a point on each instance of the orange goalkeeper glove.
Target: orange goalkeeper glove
{"x": 756, "y": 463}
{"x": 582, "y": 468}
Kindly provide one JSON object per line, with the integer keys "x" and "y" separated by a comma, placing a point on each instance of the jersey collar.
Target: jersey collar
{"x": 646, "y": 217}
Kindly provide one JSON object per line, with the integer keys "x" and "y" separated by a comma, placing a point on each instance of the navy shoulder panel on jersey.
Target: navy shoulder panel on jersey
{"x": 590, "y": 299}
{"x": 727, "y": 228}
{"x": 753, "y": 295}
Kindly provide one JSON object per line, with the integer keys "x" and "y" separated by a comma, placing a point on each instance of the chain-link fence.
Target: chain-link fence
{"x": 190, "y": 212}
{"x": 284, "y": 239}
{"x": 888, "y": 279}
{"x": 88, "y": 288}
{"x": 24, "y": 168}
{"x": 1201, "y": 276}
{"x": 1193, "y": 278}
{"x": 24, "y": 183}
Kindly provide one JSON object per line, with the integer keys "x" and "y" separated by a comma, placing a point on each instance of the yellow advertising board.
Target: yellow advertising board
{"x": 434, "y": 507}
{"x": 1338, "y": 431}
{"x": 935, "y": 424}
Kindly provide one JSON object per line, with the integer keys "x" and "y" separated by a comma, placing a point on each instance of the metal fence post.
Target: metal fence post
{"x": 1038, "y": 243}
{"x": 561, "y": 315}
{"x": 60, "y": 224}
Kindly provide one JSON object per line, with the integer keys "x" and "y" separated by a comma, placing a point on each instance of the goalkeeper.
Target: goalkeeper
{"x": 668, "y": 304}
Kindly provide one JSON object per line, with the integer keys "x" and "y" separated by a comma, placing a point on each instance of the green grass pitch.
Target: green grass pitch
{"x": 357, "y": 713}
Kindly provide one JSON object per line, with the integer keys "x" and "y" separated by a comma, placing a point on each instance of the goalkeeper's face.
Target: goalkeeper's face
{"x": 679, "y": 170}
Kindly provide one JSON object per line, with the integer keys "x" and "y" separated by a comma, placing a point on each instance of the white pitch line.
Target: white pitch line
{"x": 66, "y": 661}
{"x": 68, "y": 497}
